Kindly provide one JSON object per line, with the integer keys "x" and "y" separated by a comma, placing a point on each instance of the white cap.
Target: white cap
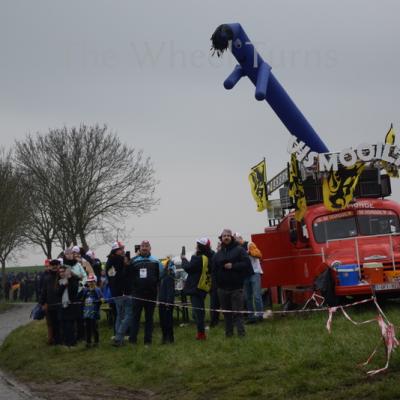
{"x": 204, "y": 241}
{"x": 117, "y": 245}
{"x": 237, "y": 235}
{"x": 76, "y": 249}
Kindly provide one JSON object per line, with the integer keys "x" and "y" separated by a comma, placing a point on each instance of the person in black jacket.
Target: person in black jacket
{"x": 50, "y": 301}
{"x": 125, "y": 303}
{"x": 166, "y": 297}
{"x": 194, "y": 268}
{"x": 146, "y": 271}
{"x": 115, "y": 276}
{"x": 231, "y": 265}
{"x": 70, "y": 309}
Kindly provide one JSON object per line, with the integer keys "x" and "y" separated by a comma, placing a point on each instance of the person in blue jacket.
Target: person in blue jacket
{"x": 91, "y": 299}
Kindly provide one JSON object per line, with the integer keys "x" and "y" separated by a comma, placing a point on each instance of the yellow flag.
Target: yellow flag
{"x": 258, "y": 185}
{"x": 390, "y": 136}
{"x": 296, "y": 189}
{"x": 338, "y": 187}
{"x": 390, "y": 139}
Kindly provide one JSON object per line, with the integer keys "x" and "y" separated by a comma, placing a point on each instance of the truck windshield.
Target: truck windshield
{"x": 350, "y": 223}
{"x": 377, "y": 222}
{"x": 335, "y": 226}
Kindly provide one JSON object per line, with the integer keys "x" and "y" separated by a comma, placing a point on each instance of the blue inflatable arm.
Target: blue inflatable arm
{"x": 268, "y": 88}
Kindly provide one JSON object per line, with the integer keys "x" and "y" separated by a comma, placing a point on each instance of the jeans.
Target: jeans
{"x": 138, "y": 306}
{"x": 198, "y": 311}
{"x": 232, "y": 300}
{"x": 252, "y": 288}
{"x": 126, "y": 321}
{"x": 119, "y": 308}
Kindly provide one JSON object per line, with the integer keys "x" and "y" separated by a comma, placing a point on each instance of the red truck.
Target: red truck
{"x": 364, "y": 237}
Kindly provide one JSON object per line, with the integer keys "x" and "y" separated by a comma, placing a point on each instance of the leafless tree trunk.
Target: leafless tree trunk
{"x": 14, "y": 211}
{"x": 87, "y": 178}
{"x": 3, "y": 277}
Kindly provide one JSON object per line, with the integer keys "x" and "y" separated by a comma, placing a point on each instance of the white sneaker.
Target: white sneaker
{"x": 268, "y": 314}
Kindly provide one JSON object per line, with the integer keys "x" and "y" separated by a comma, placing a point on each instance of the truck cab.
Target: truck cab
{"x": 366, "y": 234}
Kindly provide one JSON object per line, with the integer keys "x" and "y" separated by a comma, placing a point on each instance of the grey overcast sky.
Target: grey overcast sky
{"x": 144, "y": 68}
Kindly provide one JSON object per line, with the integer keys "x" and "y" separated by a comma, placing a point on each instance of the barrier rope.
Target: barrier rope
{"x": 315, "y": 297}
{"x": 386, "y": 327}
{"x": 388, "y": 335}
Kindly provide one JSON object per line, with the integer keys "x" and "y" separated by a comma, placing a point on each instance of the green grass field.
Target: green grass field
{"x": 291, "y": 357}
{"x": 31, "y": 268}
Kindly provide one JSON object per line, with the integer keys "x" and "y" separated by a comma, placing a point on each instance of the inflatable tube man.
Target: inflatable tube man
{"x": 267, "y": 86}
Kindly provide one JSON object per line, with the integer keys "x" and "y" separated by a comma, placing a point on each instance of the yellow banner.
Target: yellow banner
{"x": 296, "y": 190}
{"x": 338, "y": 187}
{"x": 390, "y": 139}
{"x": 258, "y": 185}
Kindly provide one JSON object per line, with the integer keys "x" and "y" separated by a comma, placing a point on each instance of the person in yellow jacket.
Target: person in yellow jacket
{"x": 252, "y": 284}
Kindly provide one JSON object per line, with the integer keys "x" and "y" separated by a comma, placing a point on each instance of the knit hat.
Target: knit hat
{"x": 68, "y": 251}
{"x": 237, "y": 235}
{"x": 226, "y": 232}
{"x": 76, "y": 249}
{"x": 90, "y": 253}
{"x": 117, "y": 245}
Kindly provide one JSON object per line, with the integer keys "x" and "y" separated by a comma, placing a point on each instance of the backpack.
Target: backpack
{"x": 205, "y": 277}
{"x": 37, "y": 312}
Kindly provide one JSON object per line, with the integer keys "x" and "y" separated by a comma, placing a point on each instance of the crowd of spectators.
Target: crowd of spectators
{"x": 22, "y": 286}
{"x": 72, "y": 288}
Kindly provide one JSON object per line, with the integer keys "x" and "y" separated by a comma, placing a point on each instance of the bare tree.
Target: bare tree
{"x": 87, "y": 178}
{"x": 43, "y": 226}
{"x": 14, "y": 211}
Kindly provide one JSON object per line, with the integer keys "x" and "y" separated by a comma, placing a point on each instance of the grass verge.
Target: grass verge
{"x": 289, "y": 357}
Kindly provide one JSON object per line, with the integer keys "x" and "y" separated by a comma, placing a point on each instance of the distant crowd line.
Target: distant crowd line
{"x": 73, "y": 287}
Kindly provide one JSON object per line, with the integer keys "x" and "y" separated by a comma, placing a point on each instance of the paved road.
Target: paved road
{"x": 9, "y": 320}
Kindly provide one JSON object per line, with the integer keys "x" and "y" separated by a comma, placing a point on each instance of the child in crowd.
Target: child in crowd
{"x": 91, "y": 298}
